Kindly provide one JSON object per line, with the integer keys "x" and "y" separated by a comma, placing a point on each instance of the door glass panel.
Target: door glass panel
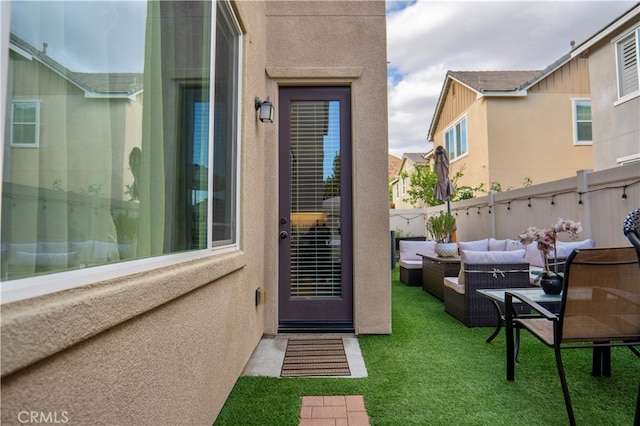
{"x": 315, "y": 199}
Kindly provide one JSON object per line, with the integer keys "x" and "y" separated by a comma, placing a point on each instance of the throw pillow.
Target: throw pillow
{"x": 497, "y": 245}
{"x": 514, "y": 245}
{"x": 534, "y": 256}
{"x": 477, "y": 245}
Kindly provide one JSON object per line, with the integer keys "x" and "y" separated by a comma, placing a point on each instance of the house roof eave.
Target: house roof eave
{"x": 607, "y": 31}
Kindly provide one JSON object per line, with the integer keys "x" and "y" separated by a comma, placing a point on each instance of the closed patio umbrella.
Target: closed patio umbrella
{"x": 444, "y": 188}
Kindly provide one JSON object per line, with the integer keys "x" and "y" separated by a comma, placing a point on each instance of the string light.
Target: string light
{"x": 478, "y": 210}
{"x": 509, "y": 206}
{"x": 553, "y": 203}
{"x": 467, "y": 212}
{"x": 580, "y": 199}
{"x": 529, "y": 205}
{"x": 624, "y": 192}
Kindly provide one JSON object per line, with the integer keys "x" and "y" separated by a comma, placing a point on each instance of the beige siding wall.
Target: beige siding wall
{"x": 458, "y": 99}
{"x": 166, "y": 346}
{"x": 464, "y": 103}
{"x": 572, "y": 77}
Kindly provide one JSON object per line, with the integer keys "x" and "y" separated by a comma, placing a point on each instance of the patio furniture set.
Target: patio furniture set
{"x": 482, "y": 264}
{"x": 598, "y": 308}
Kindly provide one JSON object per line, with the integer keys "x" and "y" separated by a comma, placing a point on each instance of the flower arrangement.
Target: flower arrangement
{"x": 546, "y": 239}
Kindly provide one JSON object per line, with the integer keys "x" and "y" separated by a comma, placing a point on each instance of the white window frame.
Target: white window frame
{"x": 404, "y": 186}
{"x": 36, "y": 142}
{"x": 234, "y": 244}
{"x": 454, "y": 155}
{"x": 633, "y": 34}
{"x": 20, "y": 289}
{"x": 574, "y": 119}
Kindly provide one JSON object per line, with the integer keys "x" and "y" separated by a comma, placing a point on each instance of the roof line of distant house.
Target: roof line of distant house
{"x": 535, "y": 77}
{"x": 128, "y": 85}
{"x": 611, "y": 27}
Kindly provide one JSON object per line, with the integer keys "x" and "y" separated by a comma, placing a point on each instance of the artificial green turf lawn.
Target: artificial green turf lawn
{"x": 432, "y": 370}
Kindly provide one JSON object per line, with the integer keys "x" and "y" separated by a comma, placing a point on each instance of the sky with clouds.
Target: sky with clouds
{"x": 427, "y": 38}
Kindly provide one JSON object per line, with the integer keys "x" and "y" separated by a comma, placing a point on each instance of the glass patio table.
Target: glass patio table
{"x": 549, "y": 301}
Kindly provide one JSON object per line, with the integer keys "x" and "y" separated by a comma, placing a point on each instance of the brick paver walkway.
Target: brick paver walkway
{"x": 333, "y": 411}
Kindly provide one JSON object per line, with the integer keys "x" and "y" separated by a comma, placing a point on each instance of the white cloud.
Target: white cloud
{"x": 427, "y": 38}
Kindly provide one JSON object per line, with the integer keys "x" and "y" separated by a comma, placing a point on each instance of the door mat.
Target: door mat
{"x": 306, "y": 357}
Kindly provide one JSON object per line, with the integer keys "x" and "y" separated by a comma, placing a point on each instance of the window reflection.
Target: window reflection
{"x": 106, "y": 157}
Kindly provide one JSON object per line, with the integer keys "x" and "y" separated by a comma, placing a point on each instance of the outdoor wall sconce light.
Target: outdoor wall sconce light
{"x": 266, "y": 110}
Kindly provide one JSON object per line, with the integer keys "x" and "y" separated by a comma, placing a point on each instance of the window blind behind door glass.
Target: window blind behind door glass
{"x": 315, "y": 199}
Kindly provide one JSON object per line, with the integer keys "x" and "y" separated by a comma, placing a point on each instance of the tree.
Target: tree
{"x": 332, "y": 183}
{"x": 424, "y": 179}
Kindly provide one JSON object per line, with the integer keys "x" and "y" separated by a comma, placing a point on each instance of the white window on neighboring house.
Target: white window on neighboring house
{"x": 628, "y": 64}
{"x": 581, "y": 121}
{"x": 455, "y": 139}
{"x": 25, "y": 123}
{"x": 397, "y": 190}
{"x": 404, "y": 186}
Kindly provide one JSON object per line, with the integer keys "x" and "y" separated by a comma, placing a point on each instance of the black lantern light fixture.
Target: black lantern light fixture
{"x": 266, "y": 110}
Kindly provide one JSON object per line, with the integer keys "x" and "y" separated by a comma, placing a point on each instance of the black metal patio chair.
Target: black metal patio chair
{"x": 600, "y": 308}
{"x": 631, "y": 229}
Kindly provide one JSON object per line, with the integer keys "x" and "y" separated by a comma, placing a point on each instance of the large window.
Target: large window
{"x": 628, "y": 64}
{"x": 582, "y": 122}
{"x": 455, "y": 139}
{"x": 137, "y": 148}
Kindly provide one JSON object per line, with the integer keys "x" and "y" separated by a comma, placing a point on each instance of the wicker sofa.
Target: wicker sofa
{"x": 495, "y": 264}
{"x": 483, "y": 270}
{"x": 411, "y": 262}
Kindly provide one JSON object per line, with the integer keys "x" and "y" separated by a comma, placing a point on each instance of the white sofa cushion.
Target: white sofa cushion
{"x": 409, "y": 249}
{"x": 454, "y": 284}
{"x": 411, "y": 264}
{"x": 514, "y": 245}
{"x": 566, "y": 247}
{"x": 470, "y": 256}
{"x": 477, "y": 245}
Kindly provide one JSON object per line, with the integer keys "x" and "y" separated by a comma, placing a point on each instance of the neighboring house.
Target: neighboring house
{"x": 512, "y": 127}
{"x": 394, "y": 166}
{"x": 148, "y": 240}
{"x": 45, "y": 94}
{"x": 401, "y": 184}
{"x": 614, "y": 72}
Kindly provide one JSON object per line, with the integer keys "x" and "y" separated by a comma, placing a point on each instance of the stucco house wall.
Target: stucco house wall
{"x": 616, "y": 129}
{"x": 318, "y": 43}
{"x": 532, "y": 138}
{"x": 165, "y": 346}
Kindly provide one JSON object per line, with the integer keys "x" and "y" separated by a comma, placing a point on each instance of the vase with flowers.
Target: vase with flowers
{"x": 546, "y": 238}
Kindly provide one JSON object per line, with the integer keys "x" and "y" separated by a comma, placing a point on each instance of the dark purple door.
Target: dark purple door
{"x": 315, "y": 254}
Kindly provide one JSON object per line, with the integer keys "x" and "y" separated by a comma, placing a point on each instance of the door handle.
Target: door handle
{"x": 283, "y": 235}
